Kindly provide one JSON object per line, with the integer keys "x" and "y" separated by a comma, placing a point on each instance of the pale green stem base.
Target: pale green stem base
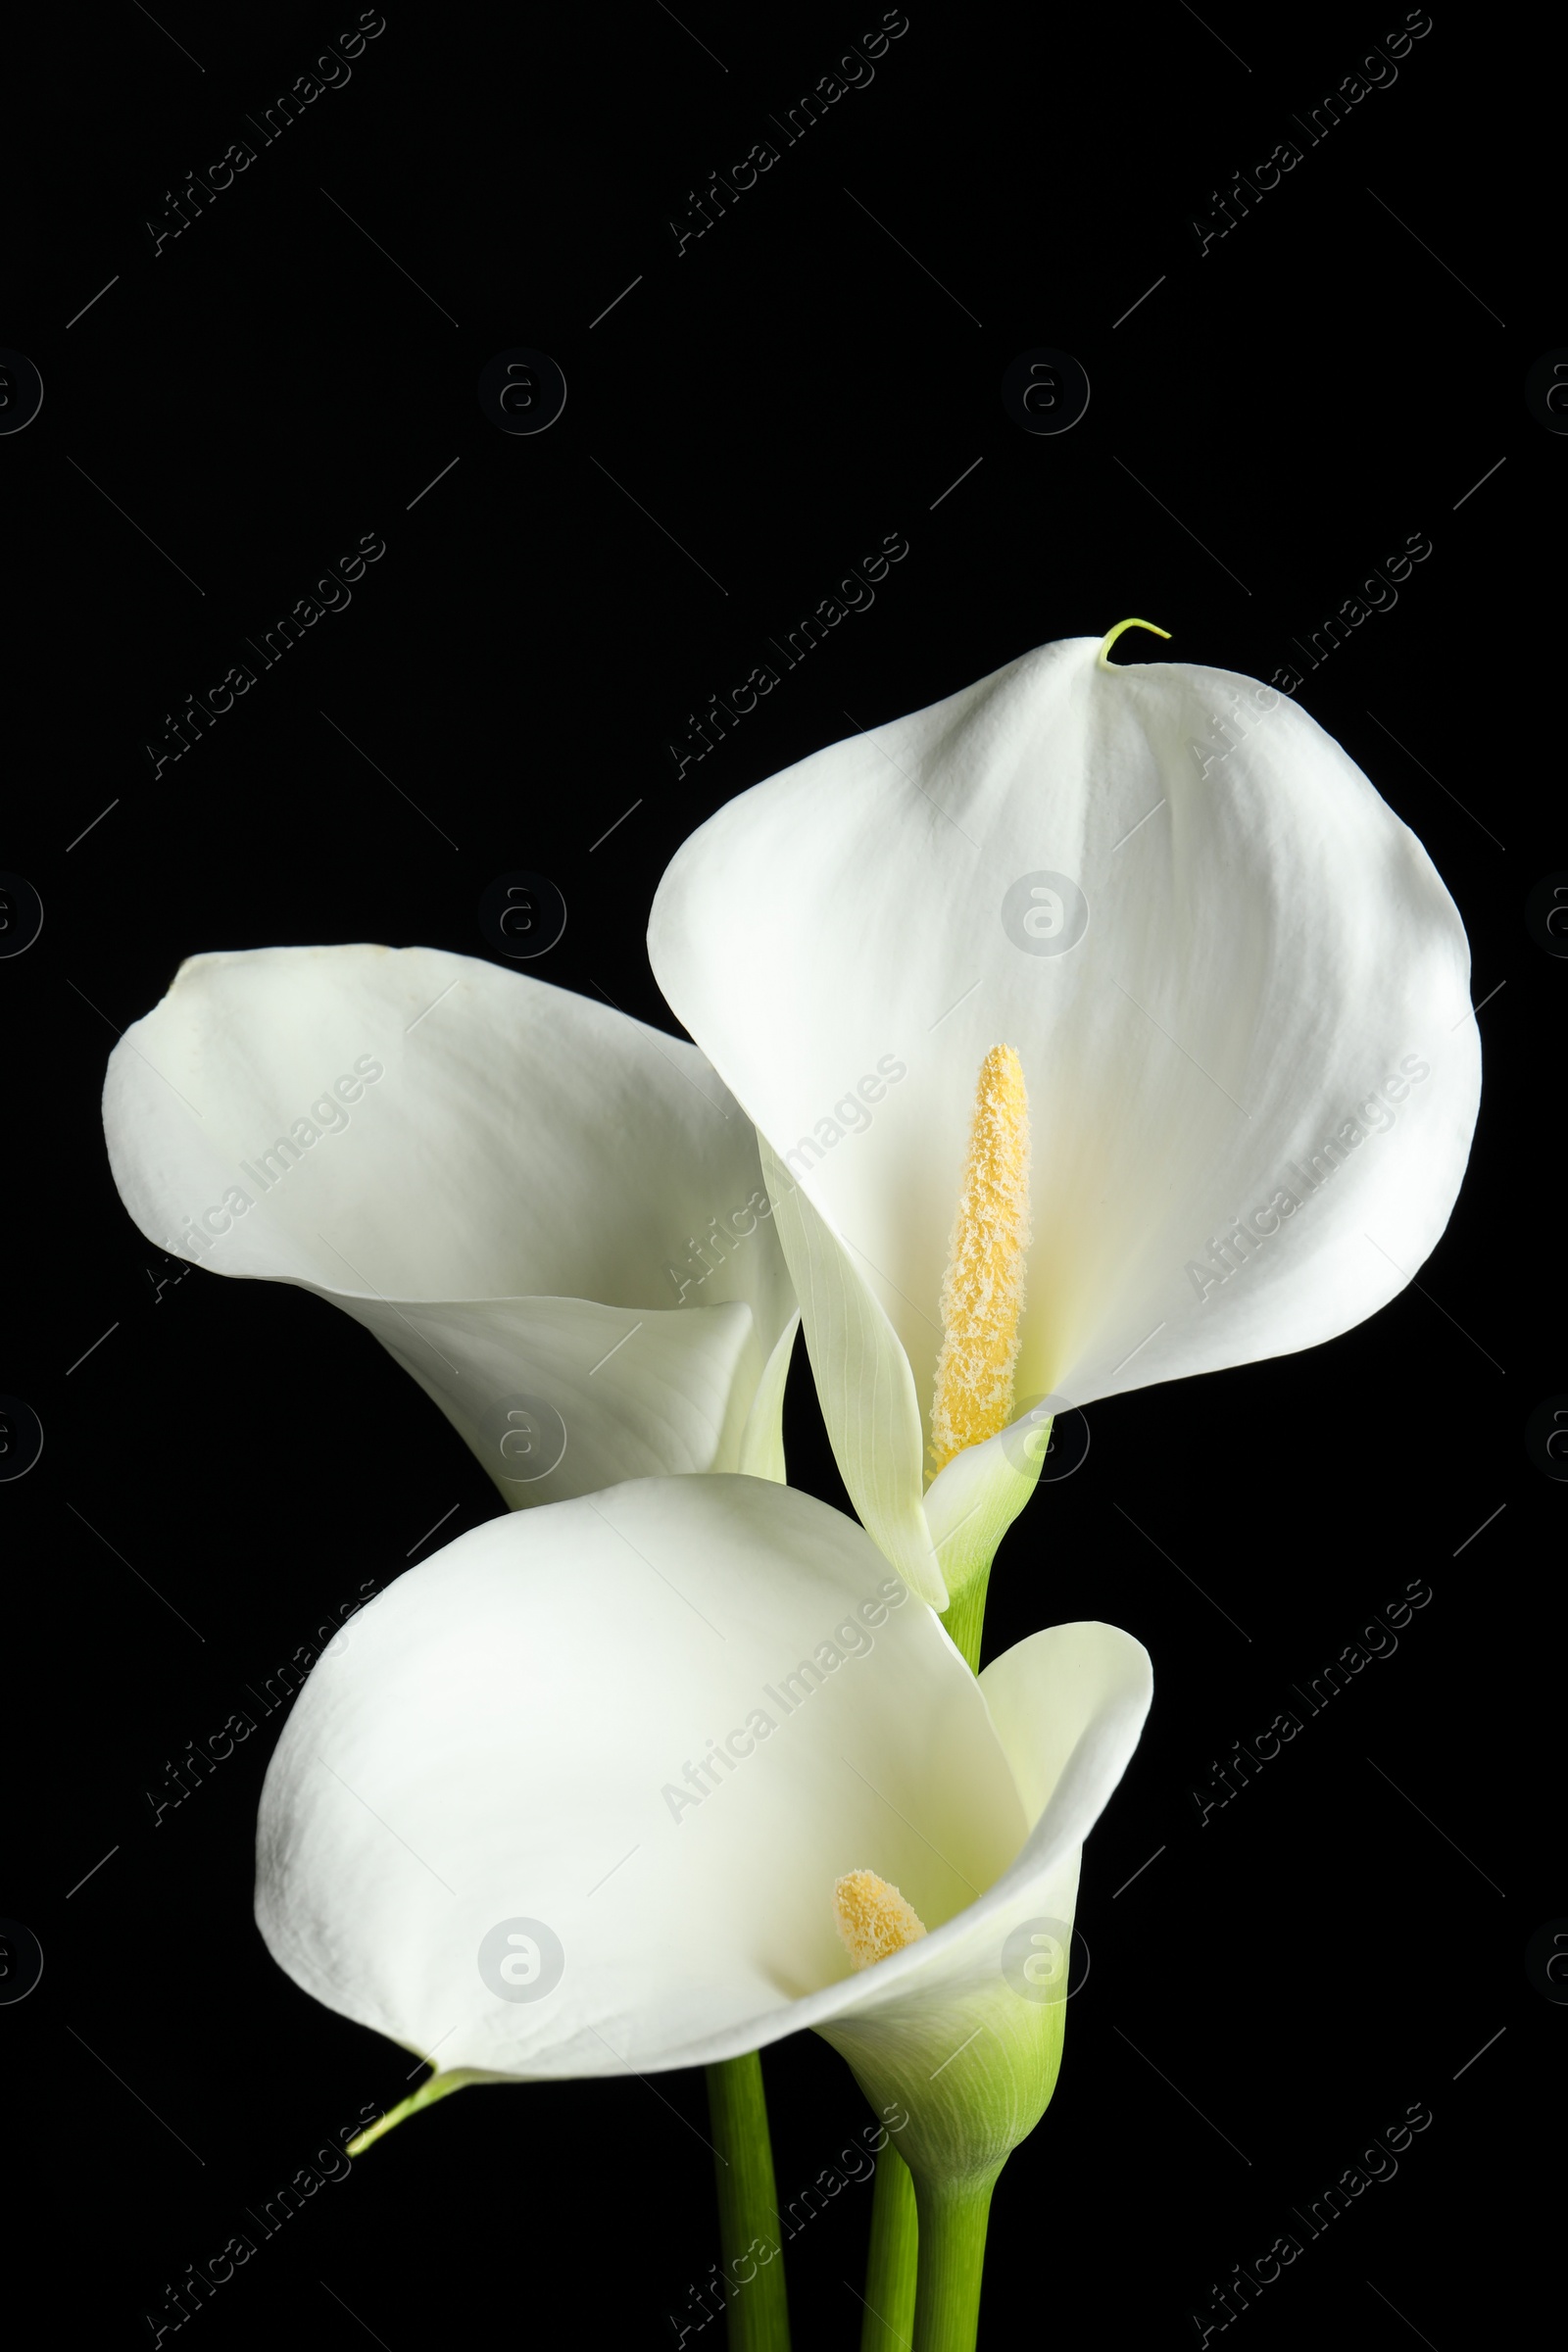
{"x": 890, "y": 2265}
{"x": 922, "y": 2285}
{"x": 938, "y": 2284}
{"x": 952, "y": 2253}
{"x": 751, "y": 2239}
{"x": 435, "y": 2087}
{"x": 965, "y": 1618}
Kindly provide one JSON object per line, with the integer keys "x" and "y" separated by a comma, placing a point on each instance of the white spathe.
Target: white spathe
{"x": 1236, "y": 986}
{"x": 506, "y": 1182}
{"x": 497, "y": 1745}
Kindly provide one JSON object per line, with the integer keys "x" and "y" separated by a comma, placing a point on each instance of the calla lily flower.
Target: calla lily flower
{"x": 516, "y": 1190}
{"x": 574, "y": 1798}
{"x": 1169, "y": 926}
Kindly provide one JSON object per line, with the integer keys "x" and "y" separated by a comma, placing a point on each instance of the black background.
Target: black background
{"x": 1280, "y": 1984}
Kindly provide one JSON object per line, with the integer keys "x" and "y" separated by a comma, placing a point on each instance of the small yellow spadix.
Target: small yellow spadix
{"x": 983, "y": 1288}
{"x": 873, "y": 1919}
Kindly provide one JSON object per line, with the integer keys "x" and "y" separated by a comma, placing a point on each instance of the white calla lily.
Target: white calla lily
{"x": 1235, "y": 987}
{"x": 575, "y": 1800}
{"x": 513, "y": 1187}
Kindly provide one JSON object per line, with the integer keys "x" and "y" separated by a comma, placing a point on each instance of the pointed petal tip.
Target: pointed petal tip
{"x": 1101, "y": 659}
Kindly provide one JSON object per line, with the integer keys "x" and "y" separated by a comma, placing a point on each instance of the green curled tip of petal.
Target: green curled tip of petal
{"x": 1111, "y": 635}
{"x": 425, "y": 2096}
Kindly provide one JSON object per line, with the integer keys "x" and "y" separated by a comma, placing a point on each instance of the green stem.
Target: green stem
{"x": 436, "y": 2087}
{"x": 758, "y": 2311}
{"x": 965, "y": 1615}
{"x": 889, "y": 2267}
{"x": 952, "y": 2252}
{"x": 908, "y": 2281}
